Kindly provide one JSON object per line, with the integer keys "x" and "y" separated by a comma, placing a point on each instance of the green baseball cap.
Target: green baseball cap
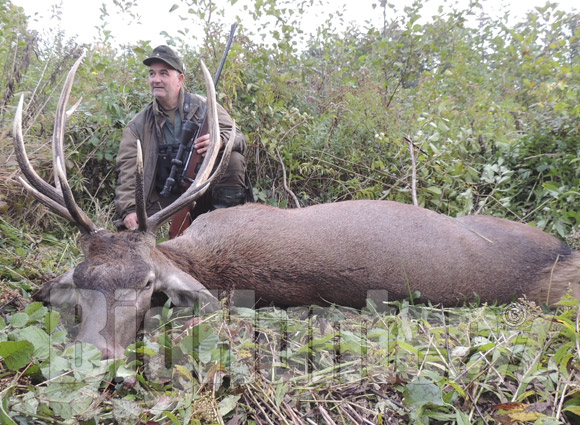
{"x": 165, "y": 54}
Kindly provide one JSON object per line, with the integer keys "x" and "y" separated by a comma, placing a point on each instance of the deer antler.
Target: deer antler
{"x": 205, "y": 177}
{"x": 59, "y": 197}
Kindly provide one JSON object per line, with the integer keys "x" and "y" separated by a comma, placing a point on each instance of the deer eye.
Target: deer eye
{"x": 149, "y": 281}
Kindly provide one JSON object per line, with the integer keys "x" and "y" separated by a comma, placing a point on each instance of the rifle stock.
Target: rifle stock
{"x": 180, "y": 222}
{"x": 194, "y": 159}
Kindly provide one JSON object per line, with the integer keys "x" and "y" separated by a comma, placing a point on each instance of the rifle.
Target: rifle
{"x": 190, "y": 131}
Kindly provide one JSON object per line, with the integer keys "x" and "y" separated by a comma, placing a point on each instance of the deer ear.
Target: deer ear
{"x": 184, "y": 290}
{"x": 58, "y": 291}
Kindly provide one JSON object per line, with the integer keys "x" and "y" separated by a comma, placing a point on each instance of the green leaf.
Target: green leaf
{"x": 202, "y": 342}
{"x": 35, "y": 311}
{"x": 51, "y": 321}
{"x": 19, "y": 320}
{"x": 228, "y": 404}
{"x": 69, "y": 400}
{"x": 435, "y": 190}
{"x": 408, "y": 347}
{"x": 281, "y": 391}
{"x": 174, "y": 420}
{"x": 126, "y": 411}
{"x": 573, "y": 409}
{"x": 461, "y": 418}
{"x": 38, "y": 338}
{"x": 5, "y": 419}
{"x": 422, "y": 391}
{"x": 16, "y": 354}
{"x": 185, "y": 372}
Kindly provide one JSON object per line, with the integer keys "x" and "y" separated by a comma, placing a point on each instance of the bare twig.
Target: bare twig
{"x": 543, "y": 155}
{"x": 447, "y": 347}
{"x": 563, "y": 395}
{"x": 345, "y": 411}
{"x": 578, "y": 331}
{"x": 251, "y": 397}
{"x": 295, "y": 419}
{"x": 260, "y": 392}
{"x": 354, "y": 164}
{"x": 414, "y": 175}
{"x": 326, "y": 416}
{"x": 286, "y": 187}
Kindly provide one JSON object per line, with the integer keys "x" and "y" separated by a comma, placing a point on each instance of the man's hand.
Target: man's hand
{"x": 131, "y": 221}
{"x": 201, "y": 144}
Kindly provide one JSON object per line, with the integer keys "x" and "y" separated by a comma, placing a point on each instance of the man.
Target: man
{"x": 158, "y": 128}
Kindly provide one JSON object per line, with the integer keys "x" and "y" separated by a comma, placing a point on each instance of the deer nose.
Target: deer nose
{"x": 107, "y": 353}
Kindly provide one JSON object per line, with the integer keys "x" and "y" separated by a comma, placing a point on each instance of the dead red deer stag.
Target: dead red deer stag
{"x": 329, "y": 253}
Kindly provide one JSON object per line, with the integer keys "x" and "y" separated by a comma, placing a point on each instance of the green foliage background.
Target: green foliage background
{"x": 490, "y": 105}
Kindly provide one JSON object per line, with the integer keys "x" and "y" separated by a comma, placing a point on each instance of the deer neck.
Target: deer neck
{"x": 182, "y": 255}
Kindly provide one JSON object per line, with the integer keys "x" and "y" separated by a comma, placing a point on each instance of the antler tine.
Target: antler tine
{"x": 140, "y": 208}
{"x": 46, "y": 201}
{"x": 204, "y": 177}
{"x": 60, "y": 121}
{"x": 59, "y": 198}
{"x": 213, "y": 129}
{"x": 79, "y": 217}
{"x": 40, "y": 186}
{"x": 61, "y": 182}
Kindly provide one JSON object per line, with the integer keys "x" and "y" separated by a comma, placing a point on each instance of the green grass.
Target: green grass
{"x": 409, "y": 364}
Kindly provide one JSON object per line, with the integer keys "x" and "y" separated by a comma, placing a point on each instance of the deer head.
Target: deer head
{"x": 120, "y": 272}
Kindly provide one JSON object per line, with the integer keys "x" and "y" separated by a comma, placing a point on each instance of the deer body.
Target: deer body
{"x": 337, "y": 252}
{"x": 330, "y": 253}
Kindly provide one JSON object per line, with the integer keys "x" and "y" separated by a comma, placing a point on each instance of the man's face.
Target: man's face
{"x": 165, "y": 83}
